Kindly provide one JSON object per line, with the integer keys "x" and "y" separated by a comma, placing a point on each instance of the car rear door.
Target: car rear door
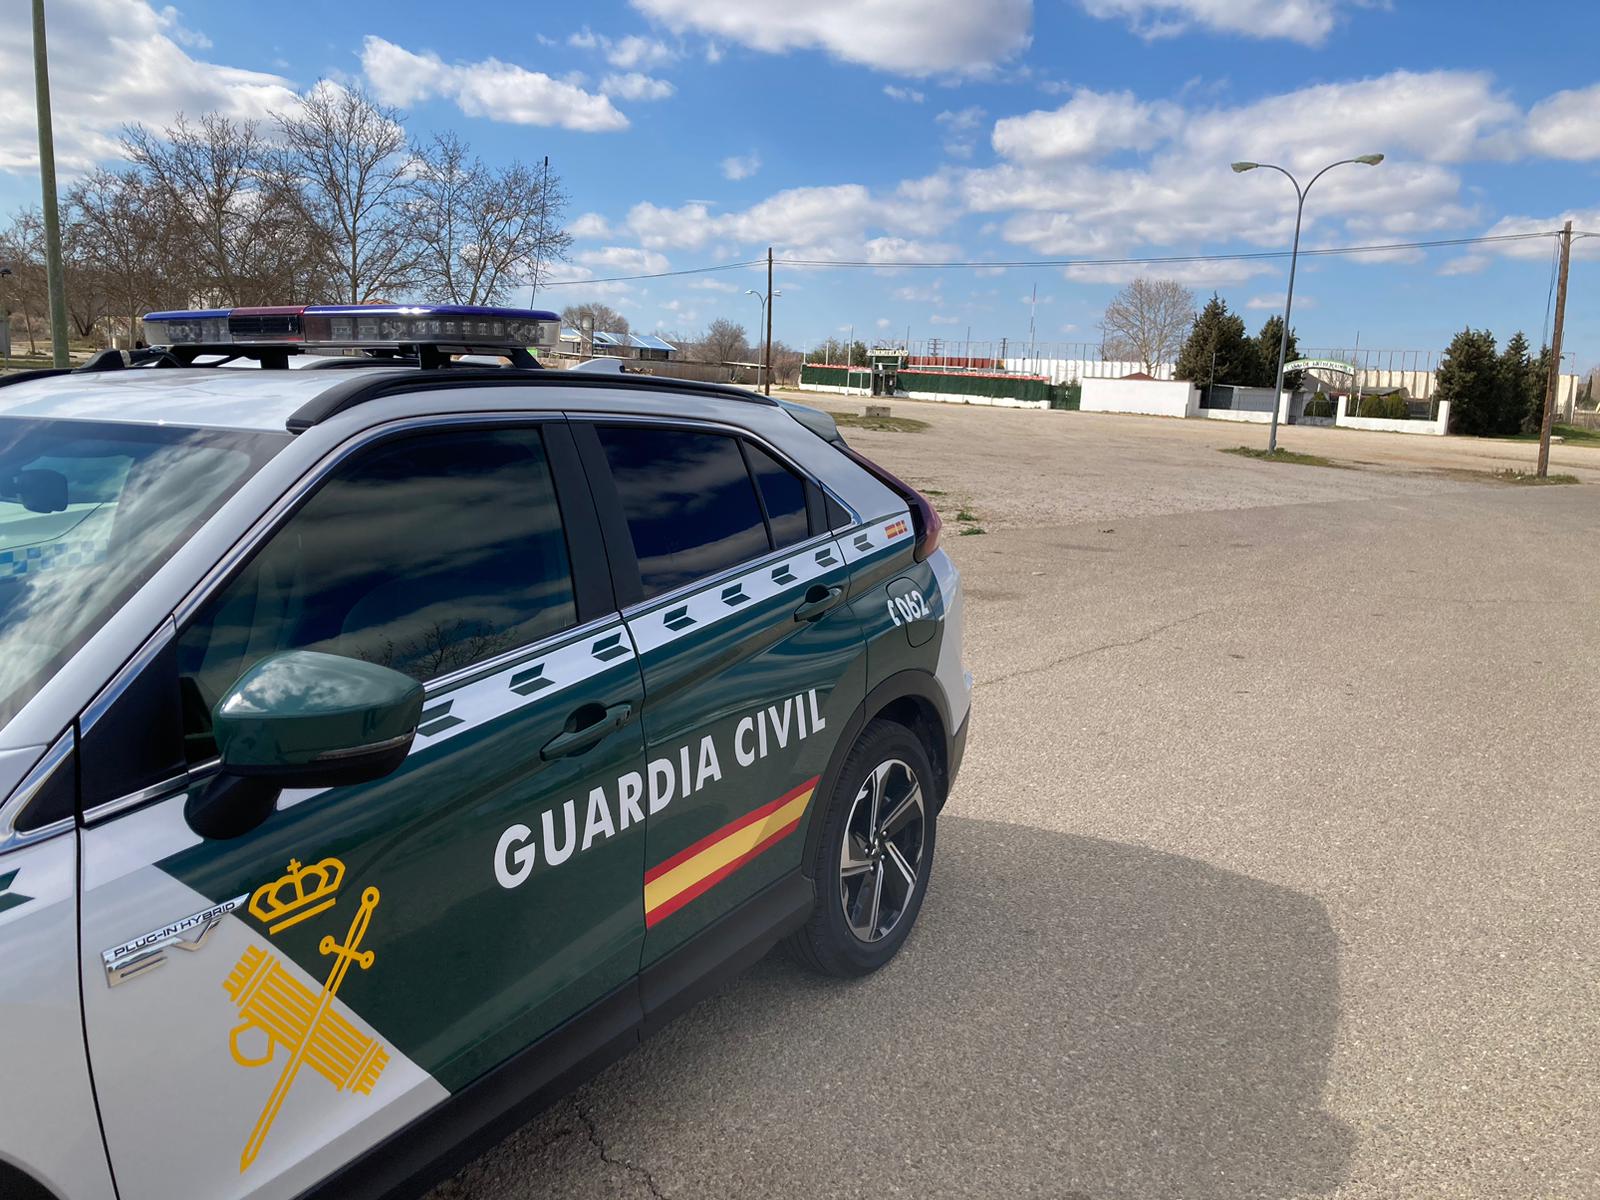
{"x": 262, "y": 1009}
{"x": 734, "y": 592}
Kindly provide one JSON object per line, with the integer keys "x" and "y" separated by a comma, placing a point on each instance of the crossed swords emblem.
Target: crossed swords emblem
{"x": 291, "y": 1015}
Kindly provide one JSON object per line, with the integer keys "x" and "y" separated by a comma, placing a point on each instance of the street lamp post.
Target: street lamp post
{"x": 762, "y": 325}
{"x": 1370, "y": 160}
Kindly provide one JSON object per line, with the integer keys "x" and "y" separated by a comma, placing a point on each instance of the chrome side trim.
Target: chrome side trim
{"x": 30, "y": 787}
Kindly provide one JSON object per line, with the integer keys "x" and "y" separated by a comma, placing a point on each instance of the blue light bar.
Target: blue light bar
{"x": 459, "y": 327}
{"x": 429, "y": 324}
{"x": 201, "y": 327}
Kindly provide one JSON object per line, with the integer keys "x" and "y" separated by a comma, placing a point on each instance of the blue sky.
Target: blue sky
{"x": 694, "y": 132}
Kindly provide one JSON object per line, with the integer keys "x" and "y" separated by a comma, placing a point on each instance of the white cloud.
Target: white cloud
{"x": 843, "y": 221}
{"x": 1306, "y": 21}
{"x": 623, "y": 260}
{"x": 633, "y": 51}
{"x": 883, "y": 322}
{"x": 1273, "y": 302}
{"x": 741, "y": 166}
{"x": 941, "y": 319}
{"x": 1567, "y": 124}
{"x": 716, "y": 285}
{"x": 1542, "y": 248}
{"x": 1203, "y": 274}
{"x": 1090, "y": 123}
{"x": 634, "y": 86}
{"x": 497, "y": 90}
{"x": 1466, "y": 264}
{"x": 590, "y": 225}
{"x": 961, "y": 130}
{"x": 907, "y": 37}
{"x": 904, "y": 94}
{"x": 920, "y": 295}
{"x": 112, "y": 62}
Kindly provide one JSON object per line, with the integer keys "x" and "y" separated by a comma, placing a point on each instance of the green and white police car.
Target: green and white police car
{"x": 386, "y": 746}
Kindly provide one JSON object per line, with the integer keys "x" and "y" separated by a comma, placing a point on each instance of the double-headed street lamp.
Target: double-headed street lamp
{"x": 762, "y": 325}
{"x": 1369, "y": 160}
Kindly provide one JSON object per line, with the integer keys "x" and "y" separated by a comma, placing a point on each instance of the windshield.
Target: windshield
{"x": 88, "y": 512}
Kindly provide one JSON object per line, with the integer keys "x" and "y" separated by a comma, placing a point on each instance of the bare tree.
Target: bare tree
{"x": 347, "y": 154}
{"x": 117, "y": 231}
{"x": 240, "y": 226}
{"x": 723, "y": 341}
{"x": 1147, "y": 320}
{"x": 604, "y": 318}
{"x": 482, "y": 231}
{"x": 22, "y": 249}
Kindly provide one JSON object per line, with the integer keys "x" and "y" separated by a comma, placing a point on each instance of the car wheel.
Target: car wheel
{"x": 875, "y": 855}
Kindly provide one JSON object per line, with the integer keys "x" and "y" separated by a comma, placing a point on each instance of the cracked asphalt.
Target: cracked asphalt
{"x": 1271, "y": 871}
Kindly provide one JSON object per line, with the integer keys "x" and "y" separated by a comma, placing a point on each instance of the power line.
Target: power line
{"x": 1171, "y": 258}
{"x": 1022, "y": 264}
{"x": 738, "y": 266}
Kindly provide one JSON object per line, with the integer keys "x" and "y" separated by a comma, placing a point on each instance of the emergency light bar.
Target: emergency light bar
{"x": 460, "y": 327}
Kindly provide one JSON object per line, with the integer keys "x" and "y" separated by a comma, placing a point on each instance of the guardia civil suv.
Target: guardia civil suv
{"x": 387, "y": 745}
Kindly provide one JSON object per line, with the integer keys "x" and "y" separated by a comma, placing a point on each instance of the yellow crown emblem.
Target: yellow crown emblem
{"x": 298, "y": 895}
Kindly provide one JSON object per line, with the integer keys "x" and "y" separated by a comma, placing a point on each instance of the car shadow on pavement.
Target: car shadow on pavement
{"x": 1072, "y": 1018}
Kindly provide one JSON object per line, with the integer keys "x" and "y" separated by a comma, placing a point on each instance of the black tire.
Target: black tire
{"x": 832, "y": 941}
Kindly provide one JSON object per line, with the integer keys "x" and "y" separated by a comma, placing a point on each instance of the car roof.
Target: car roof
{"x": 205, "y": 396}
{"x": 266, "y": 401}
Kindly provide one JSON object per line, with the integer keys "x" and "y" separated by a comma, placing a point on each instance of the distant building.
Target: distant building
{"x": 617, "y": 345}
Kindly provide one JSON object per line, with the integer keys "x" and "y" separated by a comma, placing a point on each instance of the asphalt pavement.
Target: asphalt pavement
{"x": 1272, "y": 871}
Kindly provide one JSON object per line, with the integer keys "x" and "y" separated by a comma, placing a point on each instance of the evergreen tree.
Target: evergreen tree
{"x": 1534, "y": 380}
{"x": 1219, "y": 333}
{"x": 1267, "y": 355}
{"x": 1511, "y": 400}
{"x": 1469, "y": 378}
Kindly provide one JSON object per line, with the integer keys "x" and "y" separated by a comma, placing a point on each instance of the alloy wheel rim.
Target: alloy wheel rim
{"x": 881, "y": 857}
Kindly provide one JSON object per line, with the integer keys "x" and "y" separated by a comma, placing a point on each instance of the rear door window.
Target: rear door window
{"x": 690, "y": 504}
{"x": 784, "y": 495}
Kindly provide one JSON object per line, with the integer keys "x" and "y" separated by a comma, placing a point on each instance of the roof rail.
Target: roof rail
{"x": 349, "y": 393}
{"x": 38, "y": 373}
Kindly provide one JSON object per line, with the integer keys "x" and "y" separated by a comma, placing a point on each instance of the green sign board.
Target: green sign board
{"x": 1320, "y": 364}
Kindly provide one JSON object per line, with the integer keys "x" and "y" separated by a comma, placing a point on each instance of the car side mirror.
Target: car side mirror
{"x": 303, "y": 719}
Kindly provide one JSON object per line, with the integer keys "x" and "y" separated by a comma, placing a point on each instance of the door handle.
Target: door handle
{"x": 819, "y": 600}
{"x": 593, "y": 723}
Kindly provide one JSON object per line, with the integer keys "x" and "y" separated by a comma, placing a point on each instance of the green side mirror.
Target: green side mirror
{"x": 317, "y": 720}
{"x": 302, "y": 719}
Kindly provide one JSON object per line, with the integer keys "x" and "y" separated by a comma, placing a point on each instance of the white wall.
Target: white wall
{"x": 1149, "y": 397}
{"x": 988, "y": 401}
{"x": 1437, "y": 427}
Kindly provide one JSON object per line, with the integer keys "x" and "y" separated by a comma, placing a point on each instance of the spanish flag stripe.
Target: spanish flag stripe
{"x": 693, "y": 872}
{"x": 667, "y": 907}
{"x": 732, "y": 827}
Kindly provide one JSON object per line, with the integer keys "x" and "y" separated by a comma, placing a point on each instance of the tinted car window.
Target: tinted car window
{"x": 784, "y": 494}
{"x": 426, "y": 555}
{"x": 690, "y": 504}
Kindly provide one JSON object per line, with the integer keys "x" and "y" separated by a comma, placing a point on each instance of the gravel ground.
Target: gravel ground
{"x": 1271, "y": 871}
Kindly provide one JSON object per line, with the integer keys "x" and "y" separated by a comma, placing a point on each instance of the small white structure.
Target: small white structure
{"x": 1149, "y": 397}
{"x": 1438, "y": 427}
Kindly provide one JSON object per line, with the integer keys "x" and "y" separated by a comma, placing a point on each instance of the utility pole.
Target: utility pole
{"x": 47, "y": 181}
{"x": 770, "y": 295}
{"x": 1555, "y": 352}
{"x": 544, "y": 228}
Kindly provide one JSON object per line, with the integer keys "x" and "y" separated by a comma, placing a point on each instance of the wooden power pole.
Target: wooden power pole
{"x": 47, "y": 181}
{"x": 1554, "y": 381}
{"x": 767, "y": 361}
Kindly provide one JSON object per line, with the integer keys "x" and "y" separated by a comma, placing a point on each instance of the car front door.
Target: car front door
{"x": 735, "y": 595}
{"x": 261, "y": 1009}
